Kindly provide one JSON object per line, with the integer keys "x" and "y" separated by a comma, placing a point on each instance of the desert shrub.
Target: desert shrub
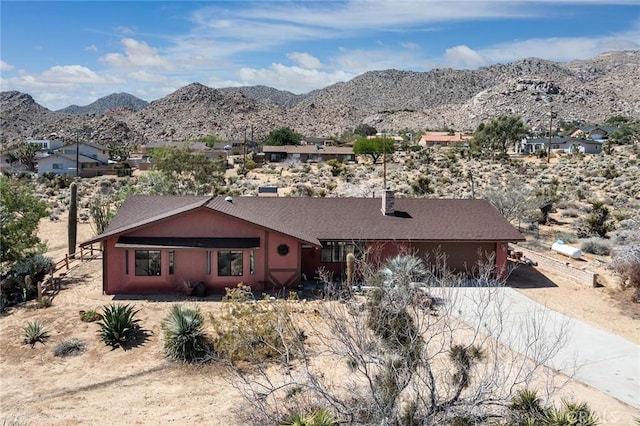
{"x": 626, "y": 263}
{"x": 254, "y": 331}
{"x": 45, "y": 302}
{"x": 90, "y": 316}
{"x": 566, "y": 237}
{"x": 250, "y": 164}
{"x": 70, "y": 347}
{"x": 34, "y": 332}
{"x": 118, "y": 325}
{"x": 596, "y": 245}
{"x": 184, "y": 337}
{"x": 570, "y": 213}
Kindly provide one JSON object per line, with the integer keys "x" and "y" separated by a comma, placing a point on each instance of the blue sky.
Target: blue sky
{"x": 74, "y": 52}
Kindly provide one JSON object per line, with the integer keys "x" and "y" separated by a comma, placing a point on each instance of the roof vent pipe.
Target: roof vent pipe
{"x": 228, "y": 199}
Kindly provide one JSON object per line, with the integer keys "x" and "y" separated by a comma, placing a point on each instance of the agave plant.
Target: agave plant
{"x": 184, "y": 337}
{"x": 34, "y": 332}
{"x": 118, "y": 325}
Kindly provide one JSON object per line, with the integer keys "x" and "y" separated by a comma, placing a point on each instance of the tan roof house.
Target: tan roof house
{"x": 443, "y": 138}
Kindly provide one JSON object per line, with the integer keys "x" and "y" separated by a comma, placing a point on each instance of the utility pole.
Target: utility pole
{"x": 77, "y": 157}
{"x": 550, "y": 130}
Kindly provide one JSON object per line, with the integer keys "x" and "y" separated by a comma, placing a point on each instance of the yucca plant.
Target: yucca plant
{"x": 184, "y": 337}
{"x": 34, "y": 332}
{"x": 118, "y": 325}
{"x": 319, "y": 417}
{"x": 528, "y": 407}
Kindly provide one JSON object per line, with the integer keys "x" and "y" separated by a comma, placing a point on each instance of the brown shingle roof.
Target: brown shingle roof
{"x": 313, "y": 219}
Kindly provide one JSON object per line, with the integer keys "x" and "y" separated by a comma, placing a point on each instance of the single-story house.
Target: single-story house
{"x": 304, "y": 153}
{"x": 559, "y": 144}
{"x": 155, "y": 244}
{"x": 443, "y": 138}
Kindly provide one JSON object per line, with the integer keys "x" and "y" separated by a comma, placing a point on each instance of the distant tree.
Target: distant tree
{"x": 26, "y": 154}
{"x": 365, "y": 130}
{"x": 624, "y": 136}
{"x": 20, "y": 213}
{"x": 373, "y": 147}
{"x": 500, "y": 133}
{"x": 211, "y": 140}
{"x": 119, "y": 150}
{"x": 515, "y": 202}
{"x": 184, "y": 172}
{"x": 616, "y": 120}
{"x": 283, "y": 136}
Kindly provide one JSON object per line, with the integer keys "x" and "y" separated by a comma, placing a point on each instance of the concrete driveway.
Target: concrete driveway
{"x": 604, "y": 361}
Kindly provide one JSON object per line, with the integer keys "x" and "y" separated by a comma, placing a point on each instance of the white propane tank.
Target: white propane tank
{"x": 562, "y": 248}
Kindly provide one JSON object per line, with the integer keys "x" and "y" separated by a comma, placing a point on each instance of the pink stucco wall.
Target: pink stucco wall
{"x": 191, "y": 264}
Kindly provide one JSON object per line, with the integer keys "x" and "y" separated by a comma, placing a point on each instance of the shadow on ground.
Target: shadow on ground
{"x": 529, "y": 277}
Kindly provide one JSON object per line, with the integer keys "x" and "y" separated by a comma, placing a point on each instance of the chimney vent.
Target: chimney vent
{"x": 388, "y": 203}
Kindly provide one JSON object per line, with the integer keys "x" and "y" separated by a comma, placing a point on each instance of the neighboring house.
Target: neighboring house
{"x": 311, "y": 153}
{"x": 443, "y": 138}
{"x": 594, "y": 133}
{"x": 97, "y": 152}
{"x": 154, "y": 244}
{"x": 46, "y": 145}
{"x": 63, "y": 164}
{"x": 558, "y": 144}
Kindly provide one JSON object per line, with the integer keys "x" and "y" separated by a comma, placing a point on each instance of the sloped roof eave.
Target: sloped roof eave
{"x": 123, "y": 229}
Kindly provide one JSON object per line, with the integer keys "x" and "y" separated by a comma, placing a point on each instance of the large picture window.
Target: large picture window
{"x": 148, "y": 262}
{"x": 229, "y": 263}
{"x": 336, "y": 251}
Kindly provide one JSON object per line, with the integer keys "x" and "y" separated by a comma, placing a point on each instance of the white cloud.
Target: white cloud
{"x": 147, "y": 76}
{"x": 5, "y": 66}
{"x": 294, "y": 79}
{"x": 91, "y": 48}
{"x": 74, "y": 74}
{"x": 463, "y": 57}
{"x": 305, "y": 60}
{"x": 137, "y": 55}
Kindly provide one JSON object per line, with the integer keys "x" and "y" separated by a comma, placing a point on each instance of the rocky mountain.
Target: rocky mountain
{"x": 588, "y": 91}
{"x": 107, "y": 103}
{"x": 267, "y": 94}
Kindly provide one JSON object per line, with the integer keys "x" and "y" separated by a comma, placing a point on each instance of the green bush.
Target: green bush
{"x": 118, "y": 325}
{"x": 34, "y": 332}
{"x": 70, "y": 347}
{"x": 184, "y": 337}
{"x": 90, "y": 316}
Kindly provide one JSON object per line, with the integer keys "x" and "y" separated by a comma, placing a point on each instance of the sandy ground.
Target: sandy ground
{"x": 139, "y": 386}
